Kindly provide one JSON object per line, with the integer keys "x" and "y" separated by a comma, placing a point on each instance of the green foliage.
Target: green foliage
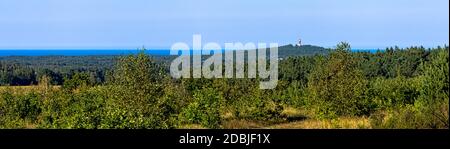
{"x": 204, "y": 110}
{"x": 120, "y": 105}
{"x": 293, "y": 94}
{"x": 431, "y": 108}
{"x": 435, "y": 83}
{"x": 80, "y": 110}
{"x": 392, "y": 62}
{"x": 141, "y": 91}
{"x": 77, "y": 80}
{"x": 258, "y": 105}
{"x": 137, "y": 71}
{"x": 417, "y": 116}
{"x": 336, "y": 86}
{"x": 19, "y": 109}
{"x": 141, "y": 78}
{"x": 297, "y": 69}
{"x": 13, "y": 74}
{"x": 304, "y": 50}
{"x": 387, "y": 93}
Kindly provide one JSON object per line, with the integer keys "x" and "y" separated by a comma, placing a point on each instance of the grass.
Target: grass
{"x": 300, "y": 119}
{"x": 339, "y": 123}
{"x": 25, "y": 89}
{"x": 192, "y": 126}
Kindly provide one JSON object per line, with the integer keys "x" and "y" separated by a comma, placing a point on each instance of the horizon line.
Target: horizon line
{"x": 168, "y": 48}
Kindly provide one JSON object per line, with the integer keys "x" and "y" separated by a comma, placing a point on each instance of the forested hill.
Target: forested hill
{"x": 304, "y": 50}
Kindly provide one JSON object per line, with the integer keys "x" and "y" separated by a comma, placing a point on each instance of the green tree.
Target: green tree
{"x": 433, "y": 102}
{"x": 336, "y": 86}
{"x": 141, "y": 77}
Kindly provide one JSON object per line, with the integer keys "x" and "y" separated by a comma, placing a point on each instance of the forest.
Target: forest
{"x": 393, "y": 88}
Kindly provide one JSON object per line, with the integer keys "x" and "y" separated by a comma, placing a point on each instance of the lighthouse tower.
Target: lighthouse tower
{"x": 299, "y": 43}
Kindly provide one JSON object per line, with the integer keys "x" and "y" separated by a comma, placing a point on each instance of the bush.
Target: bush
{"x": 387, "y": 93}
{"x": 417, "y": 116}
{"x": 204, "y": 110}
{"x": 293, "y": 94}
{"x": 18, "y": 110}
{"x": 258, "y": 105}
{"x": 72, "y": 110}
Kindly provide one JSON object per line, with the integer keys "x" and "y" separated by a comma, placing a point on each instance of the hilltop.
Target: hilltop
{"x": 304, "y": 50}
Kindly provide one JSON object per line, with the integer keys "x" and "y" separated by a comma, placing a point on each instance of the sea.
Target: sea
{"x": 96, "y": 52}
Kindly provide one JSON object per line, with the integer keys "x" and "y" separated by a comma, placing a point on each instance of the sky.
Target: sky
{"x": 158, "y": 24}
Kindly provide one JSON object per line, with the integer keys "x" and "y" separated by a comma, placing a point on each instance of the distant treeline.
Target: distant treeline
{"x": 27, "y": 70}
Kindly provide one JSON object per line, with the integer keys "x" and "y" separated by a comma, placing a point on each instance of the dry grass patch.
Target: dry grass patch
{"x": 339, "y": 123}
{"x": 26, "y": 89}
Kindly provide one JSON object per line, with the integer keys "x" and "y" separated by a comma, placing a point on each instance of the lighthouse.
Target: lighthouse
{"x": 299, "y": 43}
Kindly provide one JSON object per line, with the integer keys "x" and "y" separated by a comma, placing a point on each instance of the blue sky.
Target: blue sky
{"x": 160, "y": 23}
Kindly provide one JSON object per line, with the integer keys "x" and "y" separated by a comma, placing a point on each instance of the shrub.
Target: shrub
{"x": 387, "y": 93}
{"x": 204, "y": 110}
{"x": 18, "y": 110}
{"x": 293, "y": 94}
{"x": 418, "y": 116}
{"x": 258, "y": 105}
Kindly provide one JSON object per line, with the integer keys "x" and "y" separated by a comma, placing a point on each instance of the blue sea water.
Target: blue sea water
{"x": 84, "y": 52}
{"x": 74, "y": 52}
